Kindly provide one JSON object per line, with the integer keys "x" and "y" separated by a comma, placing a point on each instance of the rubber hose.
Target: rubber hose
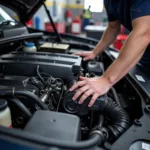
{"x": 22, "y": 107}
{"x": 33, "y": 97}
{"x": 39, "y": 75}
{"x": 13, "y": 93}
{"x": 115, "y": 96}
{"x": 82, "y": 145}
{"x": 119, "y": 118}
{"x": 100, "y": 120}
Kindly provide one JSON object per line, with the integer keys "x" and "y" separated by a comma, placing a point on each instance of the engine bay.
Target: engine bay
{"x": 36, "y": 87}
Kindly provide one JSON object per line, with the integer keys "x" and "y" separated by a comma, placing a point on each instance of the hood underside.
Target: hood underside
{"x": 24, "y": 8}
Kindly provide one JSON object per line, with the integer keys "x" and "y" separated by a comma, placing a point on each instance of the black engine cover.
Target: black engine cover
{"x": 55, "y": 125}
{"x": 25, "y": 64}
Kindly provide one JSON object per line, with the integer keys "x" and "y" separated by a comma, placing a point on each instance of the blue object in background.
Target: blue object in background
{"x": 37, "y": 22}
{"x": 85, "y": 23}
{"x": 54, "y": 9}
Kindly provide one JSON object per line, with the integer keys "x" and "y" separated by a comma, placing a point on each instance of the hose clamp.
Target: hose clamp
{"x": 96, "y": 132}
{"x": 102, "y": 132}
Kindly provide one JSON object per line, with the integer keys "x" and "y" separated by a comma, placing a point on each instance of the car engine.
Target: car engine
{"x": 36, "y": 86}
{"x": 37, "y": 70}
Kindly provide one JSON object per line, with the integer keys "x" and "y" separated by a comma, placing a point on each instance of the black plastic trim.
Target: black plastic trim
{"x": 22, "y": 37}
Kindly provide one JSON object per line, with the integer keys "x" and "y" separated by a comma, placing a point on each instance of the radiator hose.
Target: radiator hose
{"x": 12, "y": 92}
{"x": 21, "y": 107}
{"x": 120, "y": 121}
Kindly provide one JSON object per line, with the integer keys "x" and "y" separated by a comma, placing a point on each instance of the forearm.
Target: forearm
{"x": 107, "y": 39}
{"x": 129, "y": 56}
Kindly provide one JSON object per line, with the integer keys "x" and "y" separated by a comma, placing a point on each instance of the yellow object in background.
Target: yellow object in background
{"x": 16, "y": 17}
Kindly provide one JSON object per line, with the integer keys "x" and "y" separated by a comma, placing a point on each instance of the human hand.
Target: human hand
{"x": 86, "y": 55}
{"x": 90, "y": 86}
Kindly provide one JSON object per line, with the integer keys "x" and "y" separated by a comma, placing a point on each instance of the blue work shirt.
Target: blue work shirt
{"x": 126, "y": 11}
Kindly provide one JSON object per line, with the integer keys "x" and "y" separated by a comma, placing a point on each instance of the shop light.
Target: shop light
{"x": 96, "y": 5}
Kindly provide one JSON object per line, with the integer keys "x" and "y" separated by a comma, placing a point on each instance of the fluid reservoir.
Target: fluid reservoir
{"x": 30, "y": 47}
{"x": 5, "y": 116}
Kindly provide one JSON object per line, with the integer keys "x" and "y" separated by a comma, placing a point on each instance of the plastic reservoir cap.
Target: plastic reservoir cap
{"x": 30, "y": 44}
{"x": 3, "y": 104}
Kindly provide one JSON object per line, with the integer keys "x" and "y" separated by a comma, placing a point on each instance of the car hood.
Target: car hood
{"x": 24, "y": 8}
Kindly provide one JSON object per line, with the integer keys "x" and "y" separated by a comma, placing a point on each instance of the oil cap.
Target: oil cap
{"x": 3, "y": 104}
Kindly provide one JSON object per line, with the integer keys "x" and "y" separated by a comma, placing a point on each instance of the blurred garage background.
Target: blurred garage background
{"x": 69, "y": 15}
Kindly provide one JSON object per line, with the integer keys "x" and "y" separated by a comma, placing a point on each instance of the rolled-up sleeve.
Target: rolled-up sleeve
{"x": 140, "y": 8}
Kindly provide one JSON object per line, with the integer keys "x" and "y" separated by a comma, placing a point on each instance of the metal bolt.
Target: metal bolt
{"x": 137, "y": 123}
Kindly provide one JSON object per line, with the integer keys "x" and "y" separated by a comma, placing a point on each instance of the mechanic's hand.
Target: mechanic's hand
{"x": 90, "y": 86}
{"x": 86, "y": 55}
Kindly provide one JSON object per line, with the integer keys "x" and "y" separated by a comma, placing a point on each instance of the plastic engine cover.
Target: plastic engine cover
{"x": 25, "y": 64}
{"x": 55, "y": 125}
